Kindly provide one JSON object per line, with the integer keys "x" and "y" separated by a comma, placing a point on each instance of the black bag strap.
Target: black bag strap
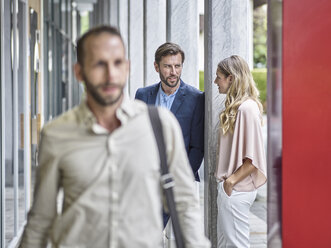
{"x": 166, "y": 178}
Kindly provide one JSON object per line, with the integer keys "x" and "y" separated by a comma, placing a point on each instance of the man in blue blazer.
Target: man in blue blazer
{"x": 183, "y": 100}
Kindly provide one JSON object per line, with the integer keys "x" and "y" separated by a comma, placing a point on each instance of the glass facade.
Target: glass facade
{"x": 36, "y": 85}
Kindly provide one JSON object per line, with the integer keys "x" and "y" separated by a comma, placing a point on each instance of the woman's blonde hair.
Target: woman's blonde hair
{"x": 242, "y": 88}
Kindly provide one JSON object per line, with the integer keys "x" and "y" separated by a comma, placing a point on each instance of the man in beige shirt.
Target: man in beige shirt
{"x": 103, "y": 155}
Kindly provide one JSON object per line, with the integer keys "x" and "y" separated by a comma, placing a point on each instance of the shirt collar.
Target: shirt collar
{"x": 124, "y": 113}
{"x": 163, "y": 94}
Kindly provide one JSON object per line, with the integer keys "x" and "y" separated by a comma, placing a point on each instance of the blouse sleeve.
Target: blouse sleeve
{"x": 248, "y": 142}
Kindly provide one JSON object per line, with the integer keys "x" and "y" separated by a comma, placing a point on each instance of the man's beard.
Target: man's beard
{"x": 103, "y": 101}
{"x": 165, "y": 81}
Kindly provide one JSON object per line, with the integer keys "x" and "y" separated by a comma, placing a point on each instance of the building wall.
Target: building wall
{"x": 37, "y": 50}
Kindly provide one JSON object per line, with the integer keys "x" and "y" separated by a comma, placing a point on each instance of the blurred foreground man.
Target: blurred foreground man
{"x": 103, "y": 155}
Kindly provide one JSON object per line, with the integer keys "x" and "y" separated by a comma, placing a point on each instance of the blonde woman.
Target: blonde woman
{"x": 241, "y": 165}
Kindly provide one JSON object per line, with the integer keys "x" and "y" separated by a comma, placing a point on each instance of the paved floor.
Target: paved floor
{"x": 258, "y": 220}
{"x": 258, "y": 217}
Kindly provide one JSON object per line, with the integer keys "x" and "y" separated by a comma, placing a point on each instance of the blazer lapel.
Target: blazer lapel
{"x": 179, "y": 99}
{"x": 152, "y": 95}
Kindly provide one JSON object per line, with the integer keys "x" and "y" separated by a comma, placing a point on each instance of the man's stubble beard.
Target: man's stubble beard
{"x": 93, "y": 91}
{"x": 164, "y": 80}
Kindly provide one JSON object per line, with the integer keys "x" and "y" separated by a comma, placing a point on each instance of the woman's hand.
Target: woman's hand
{"x": 228, "y": 186}
{"x": 244, "y": 171}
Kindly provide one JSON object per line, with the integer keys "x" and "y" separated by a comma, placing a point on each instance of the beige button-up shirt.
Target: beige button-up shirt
{"x": 111, "y": 183}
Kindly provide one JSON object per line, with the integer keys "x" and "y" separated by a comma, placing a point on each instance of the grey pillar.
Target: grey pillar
{"x": 154, "y": 36}
{"x": 93, "y": 21}
{"x": 100, "y": 12}
{"x": 123, "y": 21}
{"x": 113, "y": 12}
{"x": 123, "y": 26}
{"x": 91, "y": 18}
{"x": 226, "y": 33}
{"x": 105, "y": 12}
{"x": 136, "y": 45}
{"x": 95, "y": 15}
{"x": 250, "y": 55}
{"x": 183, "y": 29}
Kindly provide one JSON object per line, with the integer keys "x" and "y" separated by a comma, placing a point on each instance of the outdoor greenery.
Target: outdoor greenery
{"x": 84, "y": 22}
{"x": 201, "y": 81}
{"x": 260, "y": 78}
{"x": 260, "y": 36}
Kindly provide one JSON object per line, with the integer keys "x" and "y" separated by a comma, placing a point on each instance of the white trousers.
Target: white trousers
{"x": 232, "y": 220}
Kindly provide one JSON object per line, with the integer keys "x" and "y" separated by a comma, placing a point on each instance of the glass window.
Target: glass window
{"x": 65, "y": 67}
{"x": 18, "y": 104}
{"x": 21, "y": 82}
{"x": 15, "y": 44}
{"x": 47, "y": 72}
{"x": 57, "y": 12}
{"x": 34, "y": 79}
{"x": 64, "y": 16}
{"x": 8, "y": 122}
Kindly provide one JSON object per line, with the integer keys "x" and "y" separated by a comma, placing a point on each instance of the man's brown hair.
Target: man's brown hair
{"x": 168, "y": 48}
{"x": 94, "y": 31}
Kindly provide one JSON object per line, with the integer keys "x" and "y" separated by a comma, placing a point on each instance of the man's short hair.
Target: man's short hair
{"x": 94, "y": 31}
{"x": 168, "y": 48}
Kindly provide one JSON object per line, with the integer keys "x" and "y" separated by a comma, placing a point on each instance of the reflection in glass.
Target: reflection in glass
{"x": 274, "y": 122}
{"x": 20, "y": 117}
{"x": 8, "y": 122}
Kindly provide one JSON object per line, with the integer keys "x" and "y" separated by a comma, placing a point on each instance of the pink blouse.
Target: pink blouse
{"x": 245, "y": 142}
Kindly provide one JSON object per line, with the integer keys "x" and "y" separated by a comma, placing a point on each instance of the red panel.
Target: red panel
{"x": 306, "y": 196}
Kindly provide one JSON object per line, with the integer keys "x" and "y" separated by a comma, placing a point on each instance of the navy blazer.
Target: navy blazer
{"x": 189, "y": 109}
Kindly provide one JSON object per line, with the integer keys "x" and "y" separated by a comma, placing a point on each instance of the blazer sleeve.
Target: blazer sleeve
{"x": 139, "y": 94}
{"x": 196, "y": 146}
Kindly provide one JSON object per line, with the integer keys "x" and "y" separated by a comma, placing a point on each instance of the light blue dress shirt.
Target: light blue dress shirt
{"x": 163, "y": 100}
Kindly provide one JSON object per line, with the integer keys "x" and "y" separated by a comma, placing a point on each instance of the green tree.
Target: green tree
{"x": 260, "y": 36}
{"x": 84, "y": 22}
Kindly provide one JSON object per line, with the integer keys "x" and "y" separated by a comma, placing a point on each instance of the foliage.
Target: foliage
{"x": 260, "y": 78}
{"x": 84, "y": 22}
{"x": 260, "y": 36}
{"x": 201, "y": 81}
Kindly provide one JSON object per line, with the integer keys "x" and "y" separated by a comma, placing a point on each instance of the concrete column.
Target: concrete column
{"x": 91, "y": 18}
{"x": 250, "y": 55}
{"x": 123, "y": 21}
{"x": 123, "y": 26}
{"x": 93, "y": 13}
{"x": 105, "y": 12}
{"x": 136, "y": 45}
{"x": 226, "y": 33}
{"x": 94, "y": 19}
{"x": 154, "y": 36}
{"x": 113, "y": 12}
{"x": 183, "y": 29}
{"x": 100, "y": 12}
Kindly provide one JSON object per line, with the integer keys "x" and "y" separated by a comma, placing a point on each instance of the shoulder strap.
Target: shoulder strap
{"x": 166, "y": 178}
